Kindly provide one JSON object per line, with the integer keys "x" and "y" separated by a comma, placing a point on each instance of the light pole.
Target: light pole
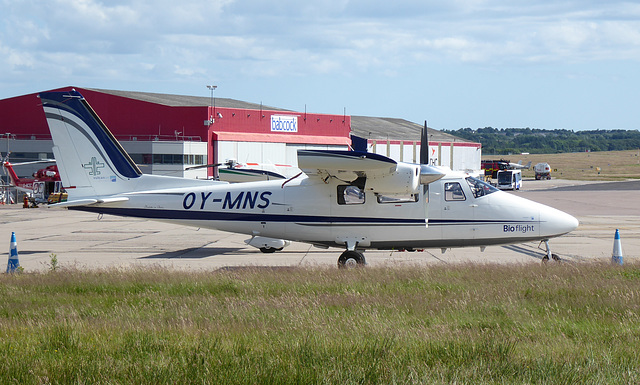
{"x": 213, "y": 103}
{"x": 8, "y": 134}
{"x": 5, "y": 198}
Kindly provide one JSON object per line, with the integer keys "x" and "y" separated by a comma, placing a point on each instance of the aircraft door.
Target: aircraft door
{"x": 349, "y": 201}
{"x": 434, "y": 205}
{"x": 458, "y": 211}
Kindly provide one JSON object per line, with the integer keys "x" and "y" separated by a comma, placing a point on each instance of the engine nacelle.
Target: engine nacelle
{"x": 404, "y": 180}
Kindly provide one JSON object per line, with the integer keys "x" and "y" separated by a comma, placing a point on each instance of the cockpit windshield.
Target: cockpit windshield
{"x": 480, "y": 188}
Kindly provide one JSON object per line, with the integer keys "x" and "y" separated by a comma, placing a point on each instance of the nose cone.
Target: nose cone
{"x": 555, "y": 222}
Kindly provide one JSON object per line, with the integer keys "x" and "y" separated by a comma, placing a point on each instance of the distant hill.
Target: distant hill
{"x": 540, "y": 141}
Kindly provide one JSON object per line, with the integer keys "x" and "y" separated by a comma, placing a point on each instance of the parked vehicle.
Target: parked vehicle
{"x": 542, "y": 170}
{"x": 509, "y": 179}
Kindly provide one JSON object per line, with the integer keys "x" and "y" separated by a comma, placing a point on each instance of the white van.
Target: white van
{"x": 509, "y": 179}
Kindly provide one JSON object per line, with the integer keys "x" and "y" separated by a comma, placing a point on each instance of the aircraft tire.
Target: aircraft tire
{"x": 269, "y": 250}
{"x": 555, "y": 257}
{"x": 350, "y": 259}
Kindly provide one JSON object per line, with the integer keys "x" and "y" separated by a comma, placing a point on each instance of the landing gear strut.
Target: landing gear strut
{"x": 351, "y": 258}
{"x": 548, "y": 254}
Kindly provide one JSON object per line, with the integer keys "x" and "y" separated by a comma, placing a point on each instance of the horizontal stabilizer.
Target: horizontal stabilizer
{"x": 75, "y": 203}
{"x": 90, "y": 201}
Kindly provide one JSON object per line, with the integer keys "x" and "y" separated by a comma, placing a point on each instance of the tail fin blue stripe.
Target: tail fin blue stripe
{"x": 73, "y": 103}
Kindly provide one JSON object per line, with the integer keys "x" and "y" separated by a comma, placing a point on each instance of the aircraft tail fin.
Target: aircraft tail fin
{"x": 93, "y": 166}
{"x": 14, "y": 180}
{"x": 89, "y": 158}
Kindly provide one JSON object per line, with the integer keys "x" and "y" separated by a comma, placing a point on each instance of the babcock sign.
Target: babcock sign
{"x": 284, "y": 123}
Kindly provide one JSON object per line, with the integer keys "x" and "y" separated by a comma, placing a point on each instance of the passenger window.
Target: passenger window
{"x": 453, "y": 192}
{"x": 350, "y": 195}
{"x": 409, "y": 198}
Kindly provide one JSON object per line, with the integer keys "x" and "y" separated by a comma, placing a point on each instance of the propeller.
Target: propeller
{"x": 428, "y": 173}
{"x": 424, "y": 145}
{"x": 6, "y": 160}
{"x": 230, "y": 164}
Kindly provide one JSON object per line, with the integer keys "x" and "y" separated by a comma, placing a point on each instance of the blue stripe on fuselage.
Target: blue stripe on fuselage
{"x": 310, "y": 220}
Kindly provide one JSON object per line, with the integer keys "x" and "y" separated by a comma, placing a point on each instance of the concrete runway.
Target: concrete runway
{"x": 81, "y": 240}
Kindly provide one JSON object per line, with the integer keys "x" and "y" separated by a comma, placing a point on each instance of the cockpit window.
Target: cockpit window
{"x": 480, "y": 188}
{"x": 453, "y": 192}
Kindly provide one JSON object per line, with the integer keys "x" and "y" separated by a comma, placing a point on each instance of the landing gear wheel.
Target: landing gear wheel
{"x": 350, "y": 259}
{"x": 269, "y": 250}
{"x": 548, "y": 254}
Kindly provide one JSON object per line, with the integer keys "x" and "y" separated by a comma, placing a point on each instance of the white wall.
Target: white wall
{"x": 267, "y": 153}
{"x": 464, "y": 158}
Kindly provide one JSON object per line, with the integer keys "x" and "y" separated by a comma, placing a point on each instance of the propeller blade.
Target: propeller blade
{"x": 34, "y": 162}
{"x": 204, "y": 166}
{"x": 424, "y": 145}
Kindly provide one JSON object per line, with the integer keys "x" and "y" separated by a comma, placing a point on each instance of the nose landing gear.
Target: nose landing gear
{"x": 548, "y": 254}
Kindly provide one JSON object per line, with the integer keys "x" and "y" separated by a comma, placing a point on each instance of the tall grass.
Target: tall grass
{"x": 464, "y": 324}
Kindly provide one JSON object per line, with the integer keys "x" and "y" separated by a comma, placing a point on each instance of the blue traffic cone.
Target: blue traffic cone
{"x": 13, "y": 264}
{"x": 616, "y": 257}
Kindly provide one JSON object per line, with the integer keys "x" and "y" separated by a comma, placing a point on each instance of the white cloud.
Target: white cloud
{"x": 382, "y": 34}
{"x": 163, "y": 43}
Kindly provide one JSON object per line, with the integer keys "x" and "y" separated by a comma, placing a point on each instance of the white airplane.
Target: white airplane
{"x": 519, "y": 166}
{"x": 348, "y": 199}
{"x": 233, "y": 172}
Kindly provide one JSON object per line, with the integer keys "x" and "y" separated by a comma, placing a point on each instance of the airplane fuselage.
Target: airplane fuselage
{"x": 450, "y": 213}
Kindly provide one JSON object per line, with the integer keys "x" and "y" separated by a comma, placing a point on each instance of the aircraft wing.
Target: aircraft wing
{"x": 368, "y": 171}
{"x": 345, "y": 163}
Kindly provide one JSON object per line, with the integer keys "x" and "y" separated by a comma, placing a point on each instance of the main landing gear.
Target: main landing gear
{"x": 351, "y": 258}
{"x": 269, "y": 250}
{"x": 548, "y": 254}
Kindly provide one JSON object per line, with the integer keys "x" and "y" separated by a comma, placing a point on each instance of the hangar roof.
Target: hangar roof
{"x": 369, "y": 127}
{"x": 366, "y": 127}
{"x": 185, "y": 100}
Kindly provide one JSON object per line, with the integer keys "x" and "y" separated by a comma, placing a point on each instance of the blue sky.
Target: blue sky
{"x": 456, "y": 63}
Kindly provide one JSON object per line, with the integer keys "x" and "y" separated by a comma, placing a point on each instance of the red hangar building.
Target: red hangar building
{"x": 170, "y": 134}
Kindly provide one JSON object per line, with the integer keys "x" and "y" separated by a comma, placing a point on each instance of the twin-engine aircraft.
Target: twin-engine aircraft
{"x": 347, "y": 199}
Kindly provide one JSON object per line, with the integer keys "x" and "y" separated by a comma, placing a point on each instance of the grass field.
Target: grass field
{"x": 614, "y": 165}
{"x": 469, "y": 324}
